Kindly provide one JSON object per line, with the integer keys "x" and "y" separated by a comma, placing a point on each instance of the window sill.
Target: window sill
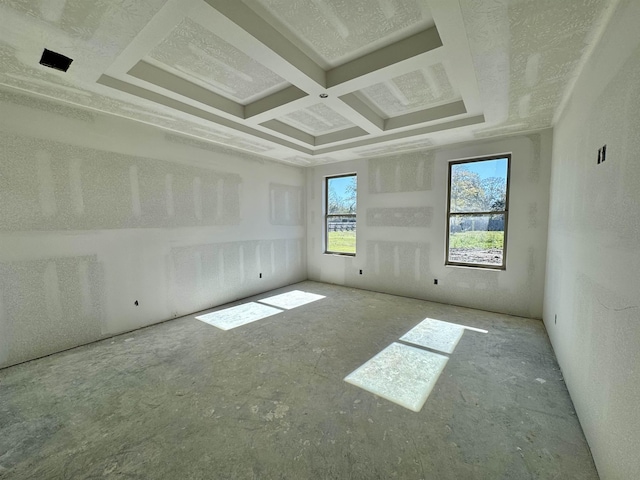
{"x": 476, "y": 267}
{"x": 338, "y": 254}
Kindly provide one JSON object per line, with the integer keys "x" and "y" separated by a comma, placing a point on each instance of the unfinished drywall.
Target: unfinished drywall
{"x": 591, "y": 308}
{"x": 401, "y": 228}
{"x": 108, "y": 225}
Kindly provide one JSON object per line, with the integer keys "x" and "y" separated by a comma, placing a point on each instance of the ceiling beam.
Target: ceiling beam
{"x": 418, "y": 44}
{"x": 152, "y": 74}
{"x": 290, "y": 131}
{"x": 448, "y": 17}
{"x": 463, "y": 122}
{"x": 426, "y": 115}
{"x": 273, "y": 101}
{"x": 278, "y": 54}
{"x": 197, "y": 112}
{"x": 364, "y": 110}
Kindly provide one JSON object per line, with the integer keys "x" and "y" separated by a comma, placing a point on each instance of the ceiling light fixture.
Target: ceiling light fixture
{"x": 324, "y": 95}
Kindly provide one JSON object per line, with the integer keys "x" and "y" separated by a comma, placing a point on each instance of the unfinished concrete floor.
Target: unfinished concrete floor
{"x": 185, "y": 400}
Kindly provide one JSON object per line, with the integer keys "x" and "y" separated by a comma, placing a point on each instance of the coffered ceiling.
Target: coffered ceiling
{"x": 307, "y": 81}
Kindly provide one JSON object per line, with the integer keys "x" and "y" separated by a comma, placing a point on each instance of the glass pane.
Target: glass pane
{"x": 342, "y": 193}
{"x": 341, "y": 234}
{"x": 477, "y": 239}
{"x": 479, "y": 186}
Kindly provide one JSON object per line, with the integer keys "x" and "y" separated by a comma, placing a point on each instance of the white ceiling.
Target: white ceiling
{"x": 399, "y": 75}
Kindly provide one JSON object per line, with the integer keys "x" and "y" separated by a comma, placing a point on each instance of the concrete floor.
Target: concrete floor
{"x": 185, "y": 400}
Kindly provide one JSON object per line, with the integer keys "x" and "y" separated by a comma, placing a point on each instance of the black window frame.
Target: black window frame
{"x": 504, "y": 212}
{"x": 328, "y": 215}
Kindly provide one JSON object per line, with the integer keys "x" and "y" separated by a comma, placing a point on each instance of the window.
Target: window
{"x": 340, "y": 217}
{"x": 478, "y": 212}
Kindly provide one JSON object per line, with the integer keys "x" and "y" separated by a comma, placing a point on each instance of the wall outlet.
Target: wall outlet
{"x": 360, "y": 272}
{"x": 435, "y": 281}
{"x": 260, "y": 275}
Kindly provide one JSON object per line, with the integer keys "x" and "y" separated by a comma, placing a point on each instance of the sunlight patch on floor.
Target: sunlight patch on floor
{"x": 292, "y": 299}
{"x": 435, "y": 334}
{"x": 402, "y": 374}
{"x": 239, "y": 315}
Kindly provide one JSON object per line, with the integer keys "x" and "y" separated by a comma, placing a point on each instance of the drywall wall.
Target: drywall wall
{"x": 592, "y": 305}
{"x": 401, "y": 227}
{"x": 98, "y": 212}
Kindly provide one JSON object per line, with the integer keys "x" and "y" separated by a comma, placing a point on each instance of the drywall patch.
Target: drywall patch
{"x": 136, "y": 208}
{"x": 394, "y": 148}
{"x": 393, "y": 267}
{"x": 530, "y": 49}
{"x": 398, "y": 258}
{"x": 43, "y": 105}
{"x": 47, "y": 308}
{"x": 474, "y": 285}
{"x": 406, "y": 173}
{"x": 221, "y": 137}
{"x": 196, "y": 53}
{"x": 168, "y": 183}
{"x": 300, "y": 160}
{"x": 532, "y": 217}
{"x": 536, "y": 158}
{"x": 106, "y": 190}
{"x": 45, "y": 183}
{"x": 87, "y": 22}
{"x": 399, "y": 217}
{"x": 204, "y": 274}
{"x": 332, "y": 32}
{"x": 209, "y": 274}
{"x": 197, "y": 198}
{"x": 411, "y": 91}
{"x": 316, "y": 120}
{"x": 286, "y": 204}
{"x": 75, "y": 186}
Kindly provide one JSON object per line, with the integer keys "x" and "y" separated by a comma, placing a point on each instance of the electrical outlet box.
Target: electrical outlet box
{"x": 602, "y": 154}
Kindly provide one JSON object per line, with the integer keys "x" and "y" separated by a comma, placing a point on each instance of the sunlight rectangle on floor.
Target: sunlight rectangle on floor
{"x": 402, "y": 374}
{"x": 435, "y": 334}
{"x": 237, "y": 316}
{"x": 292, "y": 299}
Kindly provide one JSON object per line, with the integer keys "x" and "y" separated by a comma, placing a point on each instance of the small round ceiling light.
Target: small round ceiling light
{"x": 324, "y": 95}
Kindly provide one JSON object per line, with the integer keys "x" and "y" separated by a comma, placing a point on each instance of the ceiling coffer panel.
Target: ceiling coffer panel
{"x": 333, "y": 32}
{"x": 412, "y": 91}
{"x": 316, "y": 120}
{"x": 199, "y": 56}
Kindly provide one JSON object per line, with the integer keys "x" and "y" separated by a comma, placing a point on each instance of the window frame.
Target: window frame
{"x": 327, "y": 215}
{"x": 504, "y": 212}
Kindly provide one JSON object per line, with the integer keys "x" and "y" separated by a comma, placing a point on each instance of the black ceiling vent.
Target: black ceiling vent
{"x": 55, "y": 60}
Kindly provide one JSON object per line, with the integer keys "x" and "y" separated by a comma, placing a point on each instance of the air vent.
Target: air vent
{"x": 55, "y": 60}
